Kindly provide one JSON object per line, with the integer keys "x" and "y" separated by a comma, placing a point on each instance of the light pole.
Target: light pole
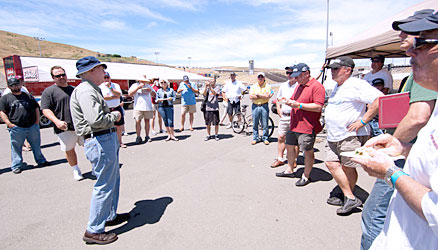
{"x": 156, "y": 55}
{"x": 39, "y": 39}
{"x": 327, "y": 30}
{"x": 189, "y": 60}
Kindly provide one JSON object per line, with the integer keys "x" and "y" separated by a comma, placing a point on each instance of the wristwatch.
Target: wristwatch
{"x": 391, "y": 170}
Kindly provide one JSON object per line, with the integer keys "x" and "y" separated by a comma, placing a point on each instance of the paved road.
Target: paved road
{"x": 189, "y": 194}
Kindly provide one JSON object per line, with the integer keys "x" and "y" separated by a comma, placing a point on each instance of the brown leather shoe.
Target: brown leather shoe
{"x": 100, "y": 239}
{"x": 277, "y": 163}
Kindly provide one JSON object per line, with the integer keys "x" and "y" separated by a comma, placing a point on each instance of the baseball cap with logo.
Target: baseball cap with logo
{"x": 418, "y": 15}
{"x": 428, "y": 23}
{"x": 298, "y": 69}
{"x": 185, "y": 78}
{"x": 13, "y": 81}
{"x": 345, "y": 61}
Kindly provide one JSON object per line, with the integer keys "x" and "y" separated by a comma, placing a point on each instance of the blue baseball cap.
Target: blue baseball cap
{"x": 298, "y": 69}
{"x": 185, "y": 78}
{"x": 428, "y": 23}
{"x": 86, "y": 64}
{"x": 418, "y": 15}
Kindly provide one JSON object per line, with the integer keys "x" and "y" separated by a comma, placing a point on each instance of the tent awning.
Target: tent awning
{"x": 380, "y": 39}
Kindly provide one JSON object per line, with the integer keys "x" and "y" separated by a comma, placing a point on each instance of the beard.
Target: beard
{"x": 15, "y": 91}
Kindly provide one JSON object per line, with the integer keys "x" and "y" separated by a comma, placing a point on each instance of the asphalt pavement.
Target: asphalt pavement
{"x": 190, "y": 194}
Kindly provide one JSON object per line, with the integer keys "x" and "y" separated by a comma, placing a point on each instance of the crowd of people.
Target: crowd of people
{"x": 401, "y": 211}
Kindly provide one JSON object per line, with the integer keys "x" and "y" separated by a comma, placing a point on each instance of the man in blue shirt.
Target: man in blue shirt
{"x": 188, "y": 100}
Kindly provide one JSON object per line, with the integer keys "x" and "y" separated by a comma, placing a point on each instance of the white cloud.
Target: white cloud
{"x": 113, "y": 25}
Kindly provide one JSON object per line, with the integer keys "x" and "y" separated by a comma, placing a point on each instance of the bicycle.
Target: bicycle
{"x": 241, "y": 121}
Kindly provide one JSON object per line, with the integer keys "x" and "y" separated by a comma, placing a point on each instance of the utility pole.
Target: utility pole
{"x": 39, "y": 39}
{"x": 156, "y": 55}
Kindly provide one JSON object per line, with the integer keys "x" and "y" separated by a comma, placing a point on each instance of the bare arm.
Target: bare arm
{"x": 37, "y": 115}
{"x": 51, "y": 116}
{"x": 416, "y": 118}
{"x": 5, "y": 118}
{"x": 131, "y": 92}
{"x": 368, "y": 116}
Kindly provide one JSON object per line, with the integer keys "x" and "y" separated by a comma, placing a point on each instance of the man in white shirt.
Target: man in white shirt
{"x": 232, "y": 92}
{"x": 285, "y": 92}
{"x": 111, "y": 92}
{"x": 412, "y": 217}
{"x": 378, "y": 71}
{"x": 143, "y": 108}
{"x": 347, "y": 128}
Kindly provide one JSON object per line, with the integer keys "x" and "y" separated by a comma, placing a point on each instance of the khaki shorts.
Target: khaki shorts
{"x": 284, "y": 125}
{"x": 138, "y": 115}
{"x": 68, "y": 140}
{"x": 188, "y": 109}
{"x": 351, "y": 143}
{"x": 305, "y": 141}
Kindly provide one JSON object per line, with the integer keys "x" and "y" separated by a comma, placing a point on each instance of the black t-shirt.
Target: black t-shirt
{"x": 57, "y": 99}
{"x": 19, "y": 108}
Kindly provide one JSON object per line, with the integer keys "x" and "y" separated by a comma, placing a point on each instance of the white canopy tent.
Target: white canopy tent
{"x": 379, "y": 39}
{"x": 128, "y": 71}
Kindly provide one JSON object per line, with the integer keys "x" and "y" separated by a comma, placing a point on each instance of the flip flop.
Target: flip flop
{"x": 283, "y": 174}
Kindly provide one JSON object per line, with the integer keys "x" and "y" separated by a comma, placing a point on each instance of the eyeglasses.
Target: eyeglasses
{"x": 260, "y": 77}
{"x": 106, "y": 77}
{"x": 60, "y": 75}
{"x": 420, "y": 42}
{"x": 289, "y": 72}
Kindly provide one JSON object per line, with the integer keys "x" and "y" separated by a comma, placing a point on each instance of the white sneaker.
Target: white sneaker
{"x": 77, "y": 175}
{"x": 229, "y": 125}
{"x": 153, "y": 132}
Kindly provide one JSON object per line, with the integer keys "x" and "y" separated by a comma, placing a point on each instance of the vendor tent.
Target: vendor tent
{"x": 380, "y": 39}
{"x": 128, "y": 71}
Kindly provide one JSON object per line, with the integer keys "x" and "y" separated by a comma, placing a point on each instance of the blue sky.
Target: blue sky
{"x": 274, "y": 33}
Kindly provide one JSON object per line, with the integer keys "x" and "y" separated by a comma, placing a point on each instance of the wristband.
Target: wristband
{"x": 321, "y": 70}
{"x": 396, "y": 175}
{"x": 301, "y": 106}
{"x": 363, "y": 123}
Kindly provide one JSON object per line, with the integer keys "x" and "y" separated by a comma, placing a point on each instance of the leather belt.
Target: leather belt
{"x": 259, "y": 105}
{"x": 102, "y": 132}
{"x": 286, "y": 114}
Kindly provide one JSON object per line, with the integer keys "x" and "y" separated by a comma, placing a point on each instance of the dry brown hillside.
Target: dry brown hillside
{"x": 16, "y": 44}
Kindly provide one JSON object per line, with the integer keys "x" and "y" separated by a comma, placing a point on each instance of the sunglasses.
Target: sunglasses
{"x": 106, "y": 77}
{"x": 289, "y": 72}
{"x": 60, "y": 75}
{"x": 420, "y": 42}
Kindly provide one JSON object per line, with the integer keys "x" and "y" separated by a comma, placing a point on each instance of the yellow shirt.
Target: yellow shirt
{"x": 257, "y": 89}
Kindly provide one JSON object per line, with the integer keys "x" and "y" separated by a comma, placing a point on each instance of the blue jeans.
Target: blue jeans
{"x": 260, "y": 113}
{"x": 103, "y": 153}
{"x": 374, "y": 210}
{"x": 167, "y": 115}
{"x": 18, "y": 135}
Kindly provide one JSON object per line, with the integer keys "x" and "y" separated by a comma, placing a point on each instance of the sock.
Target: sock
{"x": 280, "y": 158}
{"x": 304, "y": 177}
{"x": 75, "y": 167}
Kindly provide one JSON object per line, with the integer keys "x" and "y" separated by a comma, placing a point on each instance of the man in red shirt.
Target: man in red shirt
{"x": 306, "y": 102}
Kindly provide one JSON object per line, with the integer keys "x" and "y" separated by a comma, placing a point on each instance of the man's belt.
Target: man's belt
{"x": 259, "y": 105}
{"x": 102, "y": 132}
{"x": 286, "y": 114}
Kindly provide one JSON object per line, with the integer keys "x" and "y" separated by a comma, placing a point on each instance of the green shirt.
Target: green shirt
{"x": 417, "y": 92}
{"x": 89, "y": 110}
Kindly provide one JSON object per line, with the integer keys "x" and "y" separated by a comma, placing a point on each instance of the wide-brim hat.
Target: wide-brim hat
{"x": 86, "y": 64}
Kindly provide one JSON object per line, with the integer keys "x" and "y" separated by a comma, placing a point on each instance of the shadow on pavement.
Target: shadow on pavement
{"x": 27, "y": 167}
{"x": 144, "y": 212}
{"x": 50, "y": 145}
{"x": 316, "y": 174}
